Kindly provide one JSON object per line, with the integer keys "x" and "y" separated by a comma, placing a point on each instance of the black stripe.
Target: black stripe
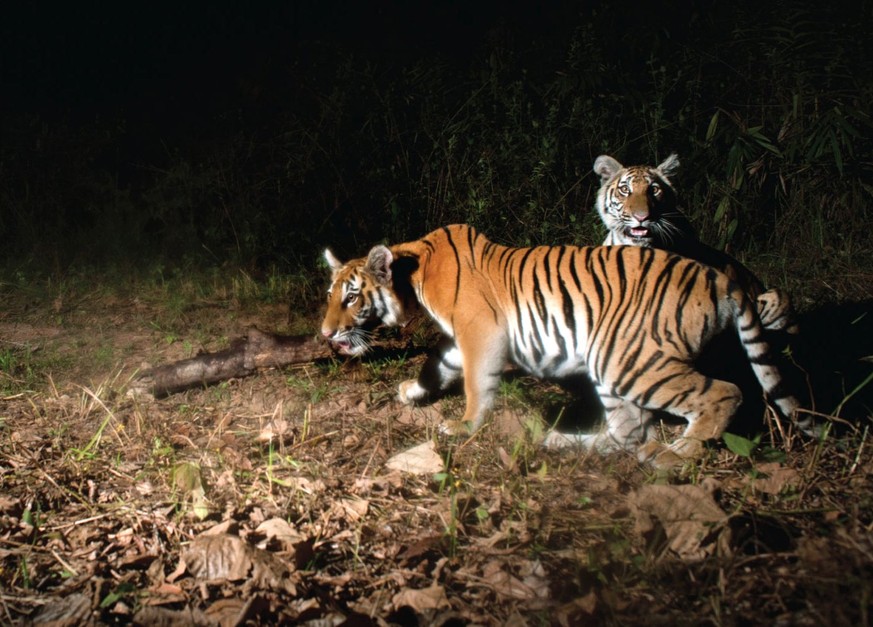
{"x": 567, "y": 307}
{"x": 458, "y": 262}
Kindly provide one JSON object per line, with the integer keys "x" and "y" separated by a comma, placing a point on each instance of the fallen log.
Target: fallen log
{"x": 244, "y": 357}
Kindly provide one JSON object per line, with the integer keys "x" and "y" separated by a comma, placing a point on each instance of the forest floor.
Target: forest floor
{"x": 292, "y": 496}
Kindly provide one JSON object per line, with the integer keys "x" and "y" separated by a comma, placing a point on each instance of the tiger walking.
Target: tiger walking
{"x": 632, "y": 318}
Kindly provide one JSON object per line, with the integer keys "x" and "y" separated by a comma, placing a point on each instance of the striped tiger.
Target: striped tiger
{"x": 632, "y": 318}
{"x": 639, "y": 207}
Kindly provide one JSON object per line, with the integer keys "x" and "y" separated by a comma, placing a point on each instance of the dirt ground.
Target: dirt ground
{"x": 292, "y": 496}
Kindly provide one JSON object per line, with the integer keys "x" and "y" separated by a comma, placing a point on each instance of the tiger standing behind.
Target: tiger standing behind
{"x": 639, "y": 206}
{"x": 632, "y": 318}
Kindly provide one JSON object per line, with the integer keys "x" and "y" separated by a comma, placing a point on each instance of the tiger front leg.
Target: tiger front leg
{"x": 442, "y": 369}
{"x": 484, "y": 357}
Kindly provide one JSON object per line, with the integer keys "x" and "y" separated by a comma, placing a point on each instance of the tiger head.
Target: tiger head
{"x": 638, "y": 203}
{"x": 361, "y": 297}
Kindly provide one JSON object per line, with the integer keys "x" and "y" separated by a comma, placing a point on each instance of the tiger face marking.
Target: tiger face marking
{"x": 360, "y": 298}
{"x": 638, "y": 203}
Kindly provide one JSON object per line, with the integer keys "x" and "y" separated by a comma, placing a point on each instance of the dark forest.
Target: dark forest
{"x": 258, "y": 135}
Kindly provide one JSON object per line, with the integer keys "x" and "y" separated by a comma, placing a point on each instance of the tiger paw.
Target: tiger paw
{"x": 455, "y": 427}
{"x": 557, "y": 440}
{"x": 410, "y": 392}
{"x": 687, "y": 448}
{"x": 585, "y": 441}
{"x": 669, "y": 456}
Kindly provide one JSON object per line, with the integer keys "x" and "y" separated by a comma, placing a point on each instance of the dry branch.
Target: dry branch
{"x": 244, "y": 357}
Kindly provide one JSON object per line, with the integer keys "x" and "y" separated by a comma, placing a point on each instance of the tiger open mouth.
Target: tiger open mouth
{"x": 637, "y": 232}
{"x": 342, "y": 345}
{"x": 352, "y": 346}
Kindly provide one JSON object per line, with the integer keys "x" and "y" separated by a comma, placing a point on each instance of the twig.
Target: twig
{"x": 76, "y": 523}
{"x": 829, "y": 417}
{"x": 20, "y": 599}
{"x": 63, "y": 563}
{"x": 860, "y": 450}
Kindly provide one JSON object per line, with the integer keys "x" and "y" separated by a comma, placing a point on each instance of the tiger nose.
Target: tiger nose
{"x": 327, "y": 333}
{"x": 641, "y": 214}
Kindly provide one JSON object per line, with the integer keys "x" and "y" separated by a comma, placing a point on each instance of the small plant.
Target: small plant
{"x": 741, "y": 446}
{"x": 121, "y": 591}
{"x": 18, "y": 373}
{"x": 450, "y": 483}
{"x": 752, "y": 449}
{"x": 316, "y": 390}
{"x": 189, "y": 485}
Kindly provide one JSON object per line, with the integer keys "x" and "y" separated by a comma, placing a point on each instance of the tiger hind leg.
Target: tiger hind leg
{"x": 625, "y": 427}
{"x": 707, "y": 404}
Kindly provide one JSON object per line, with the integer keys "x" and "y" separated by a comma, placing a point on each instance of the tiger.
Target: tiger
{"x": 633, "y": 319}
{"x": 639, "y": 207}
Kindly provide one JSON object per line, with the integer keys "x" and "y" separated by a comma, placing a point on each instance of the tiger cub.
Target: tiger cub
{"x": 639, "y": 206}
{"x": 632, "y": 318}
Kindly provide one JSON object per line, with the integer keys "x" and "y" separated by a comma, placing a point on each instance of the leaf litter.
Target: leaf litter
{"x": 308, "y": 495}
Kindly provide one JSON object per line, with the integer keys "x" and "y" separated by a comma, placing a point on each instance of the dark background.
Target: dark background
{"x": 255, "y": 134}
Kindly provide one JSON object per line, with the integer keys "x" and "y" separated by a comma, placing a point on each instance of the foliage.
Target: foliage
{"x": 767, "y": 104}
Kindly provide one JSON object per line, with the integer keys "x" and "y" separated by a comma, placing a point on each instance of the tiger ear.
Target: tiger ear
{"x": 606, "y": 167}
{"x": 332, "y": 262}
{"x": 379, "y": 264}
{"x": 669, "y": 166}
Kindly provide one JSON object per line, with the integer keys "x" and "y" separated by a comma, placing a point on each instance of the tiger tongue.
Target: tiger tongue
{"x": 639, "y": 231}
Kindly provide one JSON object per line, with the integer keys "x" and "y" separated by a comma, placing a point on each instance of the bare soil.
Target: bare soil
{"x": 277, "y": 498}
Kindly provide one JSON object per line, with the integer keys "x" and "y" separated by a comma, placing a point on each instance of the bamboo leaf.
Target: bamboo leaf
{"x": 713, "y": 127}
{"x": 721, "y": 209}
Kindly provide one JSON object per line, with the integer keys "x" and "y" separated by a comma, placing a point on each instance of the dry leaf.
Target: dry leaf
{"x": 693, "y": 523}
{"x": 189, "y": 482}
{"x": 506, "y": 459}
{"x": 165, "y": 617}
{"x": 307, "y": 486}
{"x": 507, "y": 585}
{"x": 228, "y": 557}
{"x": 276, "y": 430}
{"x": 578, "y": 612}
{"x": 282, "y": 531}
{"x": 355, "y": 508}
{"x": 229, "y": 612}
{"x": 507, "y": 422}
{"x": 420, "y": 460}
{"x": 74, "y": 609}
{"x": 228, "y": 526}
{"x": 773, "y": 478}
{"x": 431, "y": 598}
